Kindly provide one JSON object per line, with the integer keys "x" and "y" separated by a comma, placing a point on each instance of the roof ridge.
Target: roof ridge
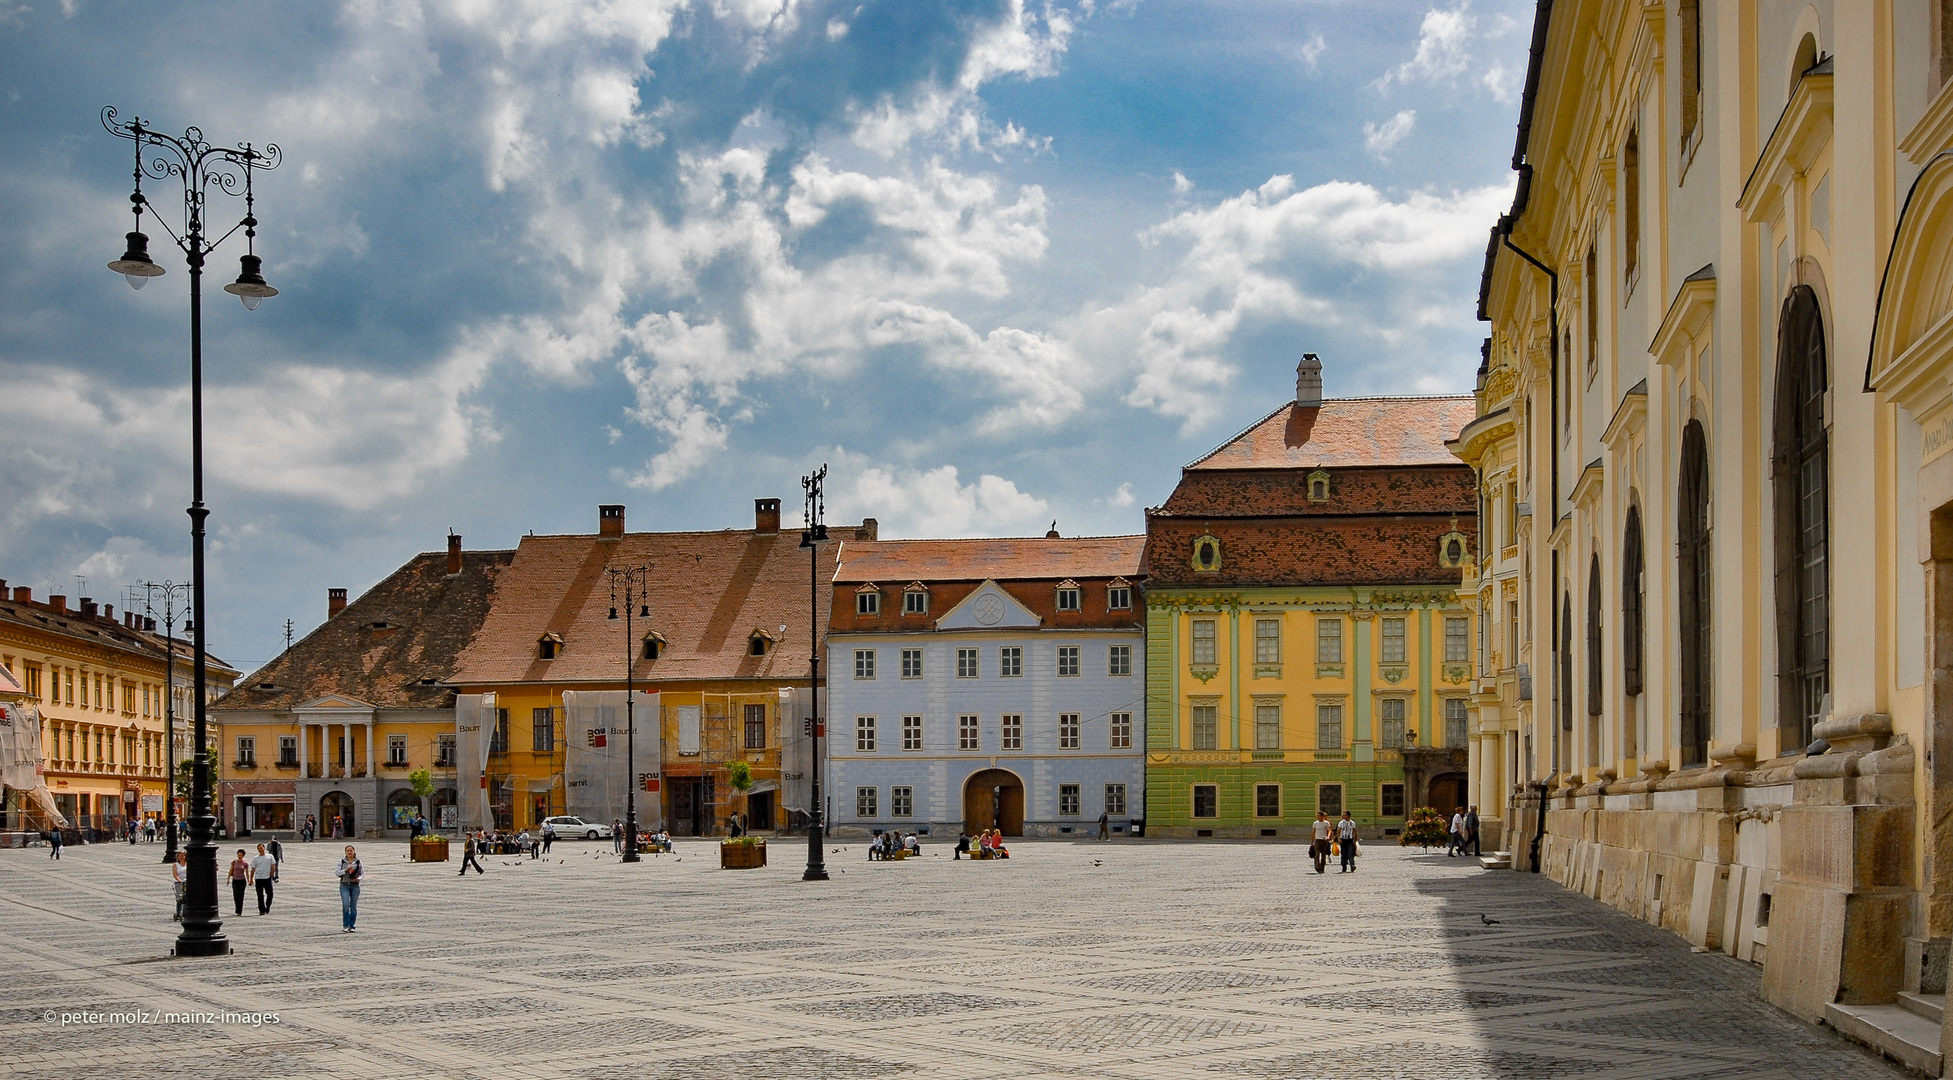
{"x": 998, "y": 539}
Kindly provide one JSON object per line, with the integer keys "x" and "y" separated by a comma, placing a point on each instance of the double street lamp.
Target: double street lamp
{"x": 201, "y": 169}
{"x": 634, "y": 580}
{"x": 812, "y": 535}
{"x": 169, "y": 589}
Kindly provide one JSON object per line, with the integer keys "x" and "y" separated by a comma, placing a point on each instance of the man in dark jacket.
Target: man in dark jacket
{"x": 1471, "y": 830}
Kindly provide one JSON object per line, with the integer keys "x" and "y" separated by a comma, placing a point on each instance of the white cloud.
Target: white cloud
{"x": 1442, "y": 52}
{"x": 1380, "y": 139}
{"x": 1181, "y": 185}
{"x": 1502, "y": 82}
{"x": 909, "y": 502}
{"x": 1311, "y": 52}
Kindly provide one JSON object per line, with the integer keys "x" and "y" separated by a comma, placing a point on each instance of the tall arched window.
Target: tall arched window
{"x": 1801, "y": 486}
{"x": 1566, "y": 675}
{"x": 1632, "y": 648}
{"x": 1593, "y": 661}
{"x": 1692, "y": 580}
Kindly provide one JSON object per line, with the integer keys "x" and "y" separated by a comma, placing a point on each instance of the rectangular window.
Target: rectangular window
{"x": 865, "y": 803}
{"x": 1631, "y": 206}
{"x": 867, "y": 603}
{"x": 1068, "y": 731}
{"x": 1010, "y": 661}
{"x": 1068, "y": 800}
{"x": 1592, "y": 305}
{"x": 1512, "y": 633}
{"x": 1203, "y": 641}
{"x": 915, "y": 602}
{"x": 71, "y": 685}
{"x": 1390, "y": 800}
{"x": 498, "y": 743}
{"x": 1122, "y": 731}
{"x": 1067, "y": 660}
{"x": 1268, "y": 727}
{"x": 1390, "y": 722}
{"x": 1206, "y": 719}
{"x": 1118, "y": 598}
{"x": 397, "y": 751}
{"x": 912, "y": 663}
{"x": 912, "y": 733}
{"x": 968, "y": 733}
{"x": 1454, "y": 722}
{"x": 1393, "y": 651}
{"x": 1329, "y": 641}
{"x": 1067, "y": 599}
{"x": 1268, "y": 641}
{"x": 443, "y": 752}
{"x": 288, "y": 750}
{"x": 966, "y": 663}
{"x": 1115, "y": 800}
{"x": 864, "y": 663}
{"x": 34, "y": 681}
{"x": 1329, "y": 799}
{"x": 1457, "y": 639}
{"x": 864, "y": 734}
{"x": 1118, "y": 660}
{"x": 901, "y": 801}
{"x": 543, "y": 726}
{"x": 247, "y": 751}
{"x": 1329, "y": 727}
{"x": 756, "y": 727}
{"x": 1012, "y": 731}
{"x": 1206, "y": 801}
{"x": 1268, "y": 800}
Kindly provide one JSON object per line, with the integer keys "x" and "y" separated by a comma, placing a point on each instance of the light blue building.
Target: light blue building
{"x": 987, "y": 683}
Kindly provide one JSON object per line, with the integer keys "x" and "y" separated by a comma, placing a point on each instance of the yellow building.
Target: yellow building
{"x": 98, "y": 681}
{"x": 1713, "y": 427}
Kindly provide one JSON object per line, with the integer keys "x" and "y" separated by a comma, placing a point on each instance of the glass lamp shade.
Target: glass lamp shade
{"x": 250, "y": 286}
{"x": 135, "y": 265}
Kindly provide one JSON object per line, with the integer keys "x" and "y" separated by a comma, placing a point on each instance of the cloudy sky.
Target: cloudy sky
{"x": 998, "y": 263}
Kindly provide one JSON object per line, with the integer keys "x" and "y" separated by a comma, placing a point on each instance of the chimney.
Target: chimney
{"x": 610, "y": 520}
{"x": 1308, "y": 381}
{"x": 108, "y": 612}
{"x": 3, "y": 588}
{"x": 1052, "y": 533}
{"x": 454, "y": 554}
{"x": 335, "y": 602}
{"x": 766, "y": 515}
{"x": 59, "y": 603}
{"x": 148, "y": 625}
{"x": 870, "y": 529}
{"x": 88, "y": 609}
{"x": 23, "y": 594}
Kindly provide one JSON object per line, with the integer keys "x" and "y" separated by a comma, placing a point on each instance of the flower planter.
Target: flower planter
{"x": 429, "y": 850}
{"x": 739, "y": 855}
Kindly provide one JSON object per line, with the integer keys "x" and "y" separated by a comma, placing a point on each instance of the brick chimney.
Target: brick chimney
{"x": 88, "y": 608}
{"x": 454, "y": 554}
{"x": 335, "y": 602}
{"x": 766, "y": 515}
{"x": 610, "y": 520}
{"x": 23, "y": 594}
{"x": 1308, "y": 381}
{"x": 108, "y": 612}
{"x": 59, "y": 602}
{"x": 870, "y": 529}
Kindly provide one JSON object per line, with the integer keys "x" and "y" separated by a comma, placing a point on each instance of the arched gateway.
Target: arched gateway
{"x": 994, "y": 799}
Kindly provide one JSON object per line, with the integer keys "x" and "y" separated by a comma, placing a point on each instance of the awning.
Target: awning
{"x": 762, "y": 786}
{"x": 45, "y": 800}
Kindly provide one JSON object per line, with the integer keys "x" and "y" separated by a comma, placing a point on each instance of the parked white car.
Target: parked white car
{"x": 569, "y": 828}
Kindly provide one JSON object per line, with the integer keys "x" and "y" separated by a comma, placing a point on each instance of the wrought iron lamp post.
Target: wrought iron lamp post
{"x": 633, "y": 579}
{"x": 200, "y": 167}
{"x": 169, "y": 590}
{"x": 811, "y": 537}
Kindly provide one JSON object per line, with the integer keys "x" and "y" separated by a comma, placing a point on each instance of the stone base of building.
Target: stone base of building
{"x": 941, "y": 830}
{"x": 1303, "y": 833}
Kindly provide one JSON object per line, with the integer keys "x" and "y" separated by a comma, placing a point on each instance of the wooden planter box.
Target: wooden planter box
{"x": 742, "y": 856}
{"x": 429, "y": 850}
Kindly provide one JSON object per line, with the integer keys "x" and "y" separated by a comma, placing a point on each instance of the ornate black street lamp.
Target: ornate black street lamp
{"x": 169, "y": 590}
{"x": 200, "y": 167}
{"x": 634, "y": 579}
{"x": 811, "y": 537}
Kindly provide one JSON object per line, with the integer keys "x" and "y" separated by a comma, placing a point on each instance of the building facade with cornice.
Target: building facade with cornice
{"x": 1307, "y": 648}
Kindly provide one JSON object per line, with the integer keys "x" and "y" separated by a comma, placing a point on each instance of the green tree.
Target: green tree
{"x": 422, "y": 782}
{"x": 1426, "y": 828}
{"x": 186, "y": 774}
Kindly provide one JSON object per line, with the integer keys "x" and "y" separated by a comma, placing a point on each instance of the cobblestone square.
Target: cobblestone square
{"x": 1127, "y": 959}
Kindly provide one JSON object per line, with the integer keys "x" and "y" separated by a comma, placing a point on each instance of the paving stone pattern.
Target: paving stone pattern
{"x": 1124, "y": 960}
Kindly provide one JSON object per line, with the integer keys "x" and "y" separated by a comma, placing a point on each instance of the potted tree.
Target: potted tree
{"x": 428, "y": 847}
{"x": 743, "y": 852}
{"x": 1426, "y": 828}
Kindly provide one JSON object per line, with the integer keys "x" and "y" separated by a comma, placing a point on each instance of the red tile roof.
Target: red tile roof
{"x": 898, "y": 562}
{"x": 1342, "y": 432}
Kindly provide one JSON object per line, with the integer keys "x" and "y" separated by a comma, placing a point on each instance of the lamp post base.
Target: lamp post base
{"x": 816, "y": 861}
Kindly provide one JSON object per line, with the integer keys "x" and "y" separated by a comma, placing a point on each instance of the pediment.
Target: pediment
{"x": 335, "y": 703}
{"x": 989, "y": 607}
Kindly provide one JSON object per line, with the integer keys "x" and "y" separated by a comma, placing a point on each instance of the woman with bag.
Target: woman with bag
{"x": 349, "y": 874}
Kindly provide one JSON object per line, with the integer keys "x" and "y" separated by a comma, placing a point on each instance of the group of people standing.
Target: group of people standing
{"x": 260, "y": 871}
{"x": 1337, "y": 838}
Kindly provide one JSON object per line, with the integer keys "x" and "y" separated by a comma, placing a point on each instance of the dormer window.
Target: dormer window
{"x": 1454, "y": 548}
{"x": 915, "y": 600}
{"x": 1206, "y": 554}
{"x": 759, "y": 643}
{"x": 868, "y": 600}
{"x": 1318, "y": 486}
{"x": 549, "y": 646}
{"x": 1068, "y": 596}
{"x": 1118, "y": 595}
{"x": 654, "y": 645}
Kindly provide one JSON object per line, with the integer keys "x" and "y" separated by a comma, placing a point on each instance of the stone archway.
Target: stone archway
{"x": 1447, "y": 792}
{"x": 994, "y": 799}
{"x": 335, "y": 804}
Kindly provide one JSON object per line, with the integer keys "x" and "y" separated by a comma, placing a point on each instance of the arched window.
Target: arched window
{"x": 1801, "y": 488}
{"x": 1692, "y": 581}
{"x": 1631, "y": 604}
{"x": 1566, "y": 675}
{"x": 1593, "y": 661}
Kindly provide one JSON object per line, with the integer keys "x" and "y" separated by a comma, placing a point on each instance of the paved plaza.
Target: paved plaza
{"x": 1127, "y": 959}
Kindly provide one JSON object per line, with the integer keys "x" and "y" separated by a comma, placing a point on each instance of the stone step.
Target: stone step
{"x": 1498, "y": 860}
{"x": 1930, "y": 1006}
{"x": 1892, "y": 1030}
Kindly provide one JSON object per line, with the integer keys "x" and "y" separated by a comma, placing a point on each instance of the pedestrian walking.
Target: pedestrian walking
{"x": 1319, "y": 840}
{"x": 54, "y": 842}
{"x": 1471, "y": 830}
{"x": 338, "y": 826}
{"x": 130, "y": 828}
{"x": 264, "y": 874}
{"x": 350, "y": 871}
{"x": 180, "y": 877}
{"x": 617, "y": 836}
{"x": 1105, "y": 826}
{"x": 1457, "y": 832}
{"x": 1346, "y": 842}
{"x": 277, "y": 851}
{"x": 311, "y": 828}
{"x": 149, "y": 830}
{"x": 240, "y": 876}
{"x": 468, "y": 848}
{"x": 549, "y": 836}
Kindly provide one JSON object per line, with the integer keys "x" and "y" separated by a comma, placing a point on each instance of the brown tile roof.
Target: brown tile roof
{"x": 393, "y": 647}
{"x": 106, "y": 633}
{"x": 1422, "y": 489}
{"x": 1372, "y": 550}
{"x": 1343, "y": 432}
{"x": 708, "y": 592}
{"x": 898, "y": 562}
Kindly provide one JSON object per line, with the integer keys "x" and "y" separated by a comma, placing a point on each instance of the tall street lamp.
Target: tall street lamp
{"x": 169, "y": 589}
{"x": 633, "y": 579}
{"x": 811, "y": 537}
{"x": 201, "y": 168}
